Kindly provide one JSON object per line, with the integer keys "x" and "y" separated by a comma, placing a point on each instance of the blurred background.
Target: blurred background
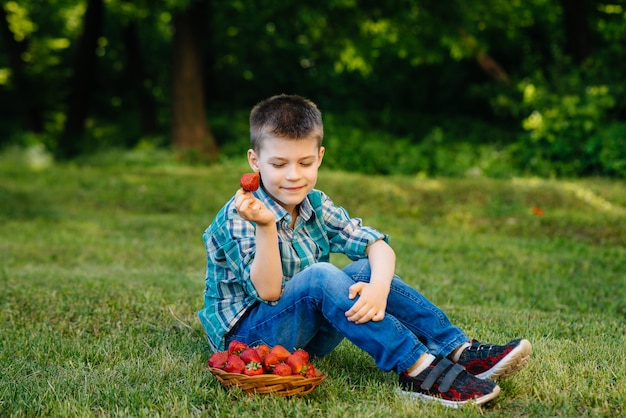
{"x": 496, "y": 88}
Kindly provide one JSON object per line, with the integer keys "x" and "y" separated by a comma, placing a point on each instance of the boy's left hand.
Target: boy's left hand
{"x": 370, "y": 306}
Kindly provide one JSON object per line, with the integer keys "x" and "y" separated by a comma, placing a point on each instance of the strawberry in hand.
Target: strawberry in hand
{"x": 250, "y": 182}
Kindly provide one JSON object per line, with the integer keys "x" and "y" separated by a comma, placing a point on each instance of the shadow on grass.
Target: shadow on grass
{"x": 25, "y": 206}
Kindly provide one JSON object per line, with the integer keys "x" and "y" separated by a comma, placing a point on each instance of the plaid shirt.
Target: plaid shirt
{"x": 320, "y": 229}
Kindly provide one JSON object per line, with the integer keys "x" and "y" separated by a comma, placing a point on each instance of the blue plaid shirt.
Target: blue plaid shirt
{"x": 320, "y": 229}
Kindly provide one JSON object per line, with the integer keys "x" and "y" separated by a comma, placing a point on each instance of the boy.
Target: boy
{"x": 268, "y": 278}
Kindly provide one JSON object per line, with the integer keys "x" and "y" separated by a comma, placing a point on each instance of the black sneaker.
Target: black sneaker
{"x": 449, "y": 384}
{"x": 488, "y": 361}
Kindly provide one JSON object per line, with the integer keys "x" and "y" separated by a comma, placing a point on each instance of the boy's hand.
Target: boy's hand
{"x": 252, "y": 209}
{"x": 371, "y": 305}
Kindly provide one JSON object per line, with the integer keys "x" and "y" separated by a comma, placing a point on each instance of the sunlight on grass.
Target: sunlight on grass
{"x": 582, "y": 193}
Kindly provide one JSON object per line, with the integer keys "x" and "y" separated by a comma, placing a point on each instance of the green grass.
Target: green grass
{"x": 102, "y": 270}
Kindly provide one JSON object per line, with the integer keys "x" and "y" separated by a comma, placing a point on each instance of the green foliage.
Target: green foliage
{"x": 453, "y": 148}
{"x": 607, "y": 150}
{"x": 562, "y": 126}
{"x": 546, "y": 112}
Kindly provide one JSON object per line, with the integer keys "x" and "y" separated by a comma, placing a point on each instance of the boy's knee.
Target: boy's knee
{"x": 327, "y": 277}
{"x": 321, "y": 272}
{"x": 324, "y": 268}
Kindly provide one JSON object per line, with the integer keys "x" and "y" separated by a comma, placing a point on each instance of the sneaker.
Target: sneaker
{"x": 488, "y": 361}
{"x": 449, "y": 384}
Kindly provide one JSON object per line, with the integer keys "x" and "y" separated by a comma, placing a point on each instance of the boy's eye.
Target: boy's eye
{"x": 306, "y": 164}
{"x": 277, "y": 165}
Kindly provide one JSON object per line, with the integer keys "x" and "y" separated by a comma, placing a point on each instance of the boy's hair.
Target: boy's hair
{"x": 285, "y": 116}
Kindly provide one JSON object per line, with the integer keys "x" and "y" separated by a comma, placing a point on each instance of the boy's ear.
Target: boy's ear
{"x": 320, "y": 156}
{"x": 253, "y": 160}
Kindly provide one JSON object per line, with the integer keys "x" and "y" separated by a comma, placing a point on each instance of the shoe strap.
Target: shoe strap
{"x": 440, "y": 368}
{"x": 449, "y": 377}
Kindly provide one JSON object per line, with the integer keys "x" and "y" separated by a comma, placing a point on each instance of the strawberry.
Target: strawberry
{"x": 250, "y": 355}
{"x": 234, "y": 364}
{"x": 281, "y": 352}
{"x": 253, "y": 369}
{"x": 262, "y": 349}
{"x": 236, "y": 347}
{"x": 218, "y": 360}
{"x": 282, "y": 369}
{"x": 270, "y": 361}
{"x": 302, "y": 353}
{"x": 308, "y": 370}
{"x": 250, "y": 182}
{"x": 295, "y": 362}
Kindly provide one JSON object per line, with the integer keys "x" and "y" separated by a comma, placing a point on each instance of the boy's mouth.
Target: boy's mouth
{"x": 293, "y": 189}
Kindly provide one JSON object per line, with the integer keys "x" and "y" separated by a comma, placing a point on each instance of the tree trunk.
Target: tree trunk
{"x": 191, "y": 134}
{"x": 139, "y": 80}
{"x": 82, "y": 81}
{"x": 27, "y": 103}
{"x": 577, "y": 30}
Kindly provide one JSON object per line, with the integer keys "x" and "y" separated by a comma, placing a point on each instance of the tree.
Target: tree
{"x": 190, "y": 131}
{"x": 139, "y": 79}
{"x": 30, "y": 111}
{"x": 81, "y": 87}
{"x": 576, "y": 23}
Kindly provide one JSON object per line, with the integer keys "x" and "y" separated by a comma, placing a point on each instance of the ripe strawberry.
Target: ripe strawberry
{"x": 234, "y": 364}
{"x": 295, "y": 362}
{"x": 250, "y": 182}
{"x": 282, "y": 369}
{"x": 302, "y": 353}
{"x": 236, "y": 347}
{"x": 250, "y": 355}
{"x": 308, "y": 370}
{"x": 218, "y": 360}
{"x": 270, "y": 361}
{"x": 262, "y": 349}
{"x": 253, "y": 369}
{"x": 281, "y": 352}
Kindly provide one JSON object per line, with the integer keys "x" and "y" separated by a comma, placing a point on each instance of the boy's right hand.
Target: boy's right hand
{"x": 252, "y": 209}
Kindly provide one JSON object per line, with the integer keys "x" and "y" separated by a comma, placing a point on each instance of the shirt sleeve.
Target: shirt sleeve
{"x": 231, "y": 248}
{"x": 348, "y": 235}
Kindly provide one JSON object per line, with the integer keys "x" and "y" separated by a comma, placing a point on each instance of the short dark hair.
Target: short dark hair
{"x": 285, "y": 116}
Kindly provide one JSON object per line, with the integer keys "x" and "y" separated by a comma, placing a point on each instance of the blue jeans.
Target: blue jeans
{"x": 311, "y": 315}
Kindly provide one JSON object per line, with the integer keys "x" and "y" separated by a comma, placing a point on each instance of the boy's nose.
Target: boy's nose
{"x": 293, "y": 173}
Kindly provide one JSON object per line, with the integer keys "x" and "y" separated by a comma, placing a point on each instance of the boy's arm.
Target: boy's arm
{"x": 266, "y": 270}
{"x": 372, "y": 301}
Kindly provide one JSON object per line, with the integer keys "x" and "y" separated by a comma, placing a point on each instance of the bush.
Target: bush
{"x": 438, "y": 153}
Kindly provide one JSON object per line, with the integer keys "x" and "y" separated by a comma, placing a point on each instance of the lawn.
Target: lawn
{"x": 102, "y": 272}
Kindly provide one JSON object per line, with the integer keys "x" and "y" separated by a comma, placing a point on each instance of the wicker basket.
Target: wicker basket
{"x": 266, "y": 384}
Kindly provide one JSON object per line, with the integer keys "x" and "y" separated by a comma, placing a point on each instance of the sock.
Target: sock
{"x": 457, "y": 353}
{"x": 422, "y": 366}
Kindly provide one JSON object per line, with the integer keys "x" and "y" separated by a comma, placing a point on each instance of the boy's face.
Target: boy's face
{"x": 288, "y": 168}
